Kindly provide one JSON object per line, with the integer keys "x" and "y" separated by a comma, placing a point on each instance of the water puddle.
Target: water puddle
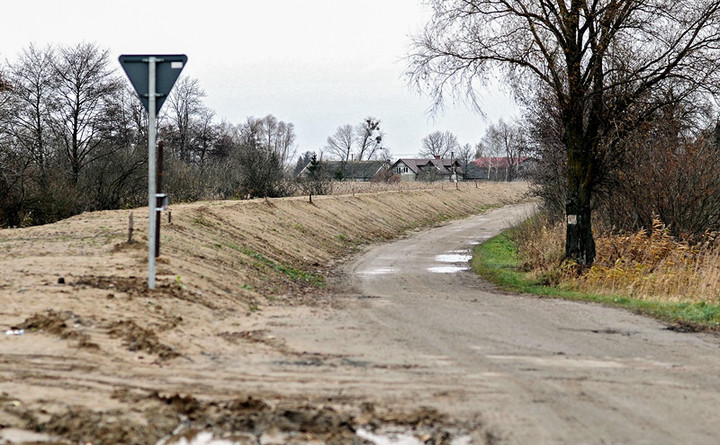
{"x": 456, "y": 260}
{"x": 378, "y": 271}
{"x": 14, "y": 435}
{"x": 454, "y": 257}
{"x": 561, "y": 361}
{"x": 204, "y": 438}
{"x": 207, "y": 438}
{"x": 448, "y": 269}
{"x": 395, "y": 439}
{"x": 403, "y": 439}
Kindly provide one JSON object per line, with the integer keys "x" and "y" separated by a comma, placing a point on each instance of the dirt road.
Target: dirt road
{"x": 534, "y": 370}
{"x": 403, "y": 328}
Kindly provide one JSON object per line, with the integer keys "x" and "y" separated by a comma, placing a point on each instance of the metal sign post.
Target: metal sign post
{"x": 152, "y": 135}
{"x": 153, "y": 76}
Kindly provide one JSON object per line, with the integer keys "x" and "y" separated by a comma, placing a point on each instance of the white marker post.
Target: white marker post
{"x": 152, "y": 199}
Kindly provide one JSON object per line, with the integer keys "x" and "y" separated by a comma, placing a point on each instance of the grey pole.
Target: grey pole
{"x": 151, "y": 172}
{"x": 160, "y": 72}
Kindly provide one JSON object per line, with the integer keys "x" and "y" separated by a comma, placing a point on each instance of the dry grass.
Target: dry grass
{"x": 350, "y": 187}
{"x": 646, "y": 265}
{"x": 655, "y": 266}
{"x": 541, "y": 248}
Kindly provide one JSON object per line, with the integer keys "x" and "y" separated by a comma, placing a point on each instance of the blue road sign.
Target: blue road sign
{"x": 167, "y": 70}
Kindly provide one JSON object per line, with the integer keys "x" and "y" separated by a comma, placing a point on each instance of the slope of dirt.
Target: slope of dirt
{"x": 101, "y": 359}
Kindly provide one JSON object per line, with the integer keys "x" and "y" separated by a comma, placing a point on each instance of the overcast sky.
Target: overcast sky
{"x": 316, "y": 63}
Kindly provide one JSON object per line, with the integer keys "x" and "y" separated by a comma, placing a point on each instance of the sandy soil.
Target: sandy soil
{"x": 103, "y": 360}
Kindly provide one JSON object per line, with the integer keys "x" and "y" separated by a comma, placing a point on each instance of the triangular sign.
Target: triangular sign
{"x": 167, "y": 69}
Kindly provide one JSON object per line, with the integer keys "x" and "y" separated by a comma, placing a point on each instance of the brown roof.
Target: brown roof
{"x": 444, "y": 166}
{"x": 353, "y": 170}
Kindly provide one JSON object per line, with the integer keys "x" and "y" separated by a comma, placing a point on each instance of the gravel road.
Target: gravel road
{"x": 534, "y": 370}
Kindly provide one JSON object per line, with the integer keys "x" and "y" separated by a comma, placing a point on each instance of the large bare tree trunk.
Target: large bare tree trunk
{"x": 579, "y": 241}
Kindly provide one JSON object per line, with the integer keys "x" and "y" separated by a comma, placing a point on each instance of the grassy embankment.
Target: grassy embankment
{"x": 293, "y": 239}
{"x": 651, "y": 274}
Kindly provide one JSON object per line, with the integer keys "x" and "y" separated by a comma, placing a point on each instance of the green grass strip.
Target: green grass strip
{"x": 496, "y": 260}
{"x": 291, "y": 272}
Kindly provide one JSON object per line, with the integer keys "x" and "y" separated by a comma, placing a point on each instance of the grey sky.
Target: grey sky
{"x": 316, "y": 63}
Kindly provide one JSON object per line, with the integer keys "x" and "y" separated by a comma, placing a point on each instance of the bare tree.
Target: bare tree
{"x": 340, "y": 145}
{"x": 439, "y": 144}
{"x": 369, "y": 139}
{"x": 606, "y": 64}
{"x": 507, "y": 141}
{"x": 84, "y": 85}
{"x": 184, "y": 105}
{"x": 277, "y": 136}
{"x": 260, "y": 168}
{"x": 118, "y": 178}
{"x": 360, "y": 143}
{"x": 204, "y": 135}
{"x": 34, "y": 95}
{"x": 464, "y": 155}
{"x": 480, "y": 150}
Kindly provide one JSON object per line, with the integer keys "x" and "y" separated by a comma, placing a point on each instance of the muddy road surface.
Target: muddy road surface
{"x": 405, "y": 340}
{"x": 531, "y": 370}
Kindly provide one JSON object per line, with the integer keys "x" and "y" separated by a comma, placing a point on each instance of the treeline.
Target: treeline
{"x": 73, "y": 138}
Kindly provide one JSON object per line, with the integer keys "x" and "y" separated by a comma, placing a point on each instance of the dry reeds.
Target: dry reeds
{"x": 655, "y": 266}
{"x": 647, "y": 265}
{"x": 541, "y": 248}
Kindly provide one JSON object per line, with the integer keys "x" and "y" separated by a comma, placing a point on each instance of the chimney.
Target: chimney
{"x": 437, "y": 156}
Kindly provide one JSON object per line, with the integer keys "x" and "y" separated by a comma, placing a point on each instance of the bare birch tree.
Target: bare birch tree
{"x": 506, "y": 141}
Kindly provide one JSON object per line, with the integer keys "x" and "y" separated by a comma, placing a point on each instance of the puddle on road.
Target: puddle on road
{"x": 403, "y": 439}
{"x": 562, "y": 361}
{"x": 448, "y": 269}
{"x": 204, "y": 438}
{"x": 454, "y": 257}
{"x": 207, "y": 438}
{"x": 480, "y": 238}
{"x": 378, "y": 271}
{"x": 456, "y": 260}
{"x": 14, "y": 435}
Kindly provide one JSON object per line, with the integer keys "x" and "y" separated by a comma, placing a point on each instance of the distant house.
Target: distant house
{"x": 500, "y": 168}
{"x": 437, "y": 169}
{"x": 362, "y": 171}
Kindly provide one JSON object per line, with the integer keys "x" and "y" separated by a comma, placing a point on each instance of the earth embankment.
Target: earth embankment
{"x": 98, "y": 348}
